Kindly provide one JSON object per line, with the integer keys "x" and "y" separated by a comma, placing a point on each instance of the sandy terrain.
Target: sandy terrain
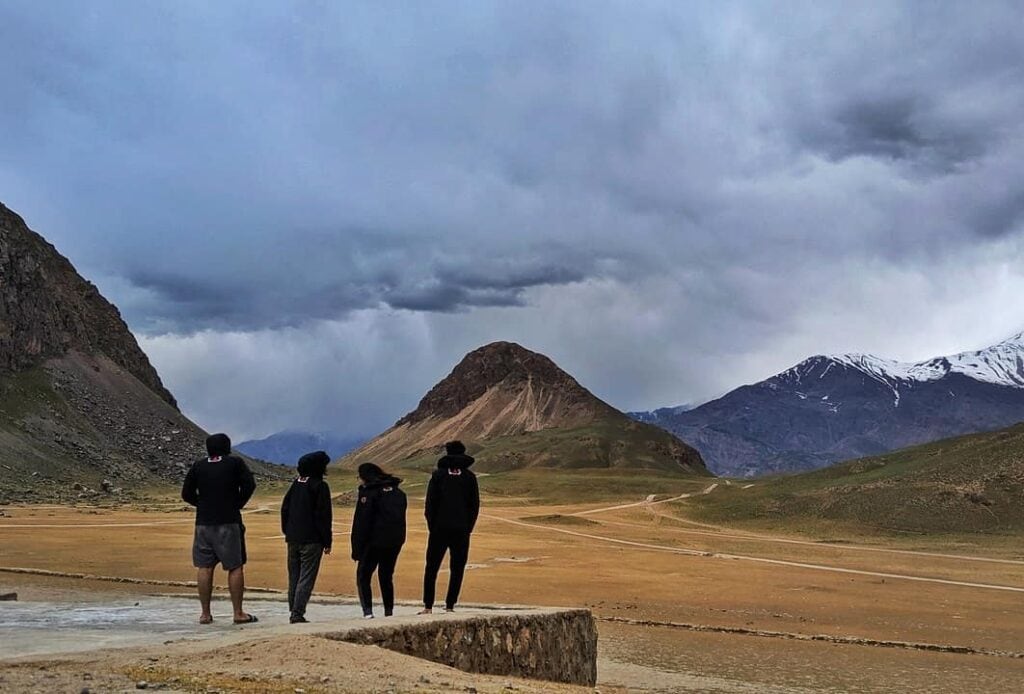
{"x": 664, "y": 579}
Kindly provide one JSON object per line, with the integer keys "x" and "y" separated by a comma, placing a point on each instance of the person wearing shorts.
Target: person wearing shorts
{"x": 219, "y": 486}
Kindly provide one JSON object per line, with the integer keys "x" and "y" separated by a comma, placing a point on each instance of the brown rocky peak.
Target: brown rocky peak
{"x": 505, "y": 364}
{"x": 48, "y": 310}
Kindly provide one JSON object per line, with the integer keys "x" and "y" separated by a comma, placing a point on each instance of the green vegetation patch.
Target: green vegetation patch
{"x": 966, "y": 484}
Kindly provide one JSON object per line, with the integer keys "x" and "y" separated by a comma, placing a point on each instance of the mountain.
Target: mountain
{"x": 80, "y": 403}
{"x": 832, "y": 408}
{"x": 655, "y": 416}
{"x": 971, "y": 483}
{"x": 515, "y": 408}
{"x": 286, "y": 447}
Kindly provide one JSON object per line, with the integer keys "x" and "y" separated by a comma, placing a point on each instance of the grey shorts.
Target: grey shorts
{"x": 223, "y": 544}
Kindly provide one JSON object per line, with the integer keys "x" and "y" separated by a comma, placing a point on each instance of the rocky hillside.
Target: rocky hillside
{"x": 515, "y": 408}
{"x": 82, "y": 411}
{"x": 832, "y": 408}
{"x": 47, "y": 310}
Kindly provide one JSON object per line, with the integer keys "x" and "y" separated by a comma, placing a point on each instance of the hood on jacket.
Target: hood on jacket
{"x": 218, "y": 444}
{"x": 385, "y": 481}
{"x": 451, "y": 462}
{"x": 313, "y": 464}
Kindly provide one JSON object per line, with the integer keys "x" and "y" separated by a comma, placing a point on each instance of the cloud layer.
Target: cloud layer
{"x": 322, "y": 207}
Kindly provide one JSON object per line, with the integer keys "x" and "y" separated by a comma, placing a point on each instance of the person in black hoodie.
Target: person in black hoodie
{"x": 378, "y": 533}
{"x": 306, "y": 517}
{"x": 219, "y": 485}
{"x": 452, "y": 507}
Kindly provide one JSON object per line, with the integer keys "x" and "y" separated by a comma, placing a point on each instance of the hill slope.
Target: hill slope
{"x": 515, "y": 408}
{"x": 965, "y": 484}
{"x": 79, "y": 400}
{"x": 832, "y": 408}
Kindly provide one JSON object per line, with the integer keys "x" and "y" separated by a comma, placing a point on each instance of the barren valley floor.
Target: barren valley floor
{"x": 681, "y": 605}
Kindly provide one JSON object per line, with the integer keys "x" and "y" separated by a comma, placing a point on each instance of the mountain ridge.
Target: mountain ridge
{"x": 285, "y": 447}
{"x": 47, "y": 309}
{"x": 82, "y": 410}
{"x": 516, "y": 408}
{"x": 829, "y": 408}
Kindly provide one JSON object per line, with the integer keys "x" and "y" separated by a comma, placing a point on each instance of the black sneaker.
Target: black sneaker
{"x": 298, "y": 620}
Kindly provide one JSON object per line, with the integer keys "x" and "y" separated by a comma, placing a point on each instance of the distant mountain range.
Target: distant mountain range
{"x": 830, "y": 408}
{"x": 655, "y": 416}
{"x": 286, "y": 447}
{"x": 517, "y": 409}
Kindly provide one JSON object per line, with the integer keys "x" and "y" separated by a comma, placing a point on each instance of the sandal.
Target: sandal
{"x": 249, "y": 619}
{"x": 206, "y": 620}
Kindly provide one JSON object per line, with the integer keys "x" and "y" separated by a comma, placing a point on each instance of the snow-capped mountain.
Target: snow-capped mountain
{"x": 834, "y": 407}
{"x": 1001, "y": 364}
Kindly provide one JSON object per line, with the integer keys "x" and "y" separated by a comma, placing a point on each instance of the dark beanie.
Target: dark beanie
{"x": 218, "y": 444}
{"x": 454, "y": 448}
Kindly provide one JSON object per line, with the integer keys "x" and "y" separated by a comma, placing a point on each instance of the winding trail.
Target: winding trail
{"x": 762, "y": 560}
{"x": 729, "y": 533}
{"x": 820, "y": 545}
{"x": 649, "y": 501}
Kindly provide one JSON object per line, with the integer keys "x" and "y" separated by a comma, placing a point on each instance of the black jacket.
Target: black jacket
{"x": 453, "y": 496}
{"x": 306, "y": 512}
{"x": 218, "y": 486}
{"x": 379, "y": 520}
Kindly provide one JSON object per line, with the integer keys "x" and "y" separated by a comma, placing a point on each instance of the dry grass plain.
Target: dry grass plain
{"x": 684, "y": 606}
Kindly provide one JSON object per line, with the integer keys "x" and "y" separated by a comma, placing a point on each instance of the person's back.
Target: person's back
{"x": 219, "y": 485}
{"x": 378, "y": 533}
{"x": 306, "y": 516}
{"x": 453, "y": 497}
{"x": 451, "y": 509}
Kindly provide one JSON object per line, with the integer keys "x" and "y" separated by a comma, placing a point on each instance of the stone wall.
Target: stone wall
{"x": 559, "y": 646}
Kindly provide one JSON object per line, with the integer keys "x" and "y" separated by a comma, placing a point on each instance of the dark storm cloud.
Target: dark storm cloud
{"x": 900, "y": 127}
{"x": 661, "y": 179}
{"x": 407, "y": 278}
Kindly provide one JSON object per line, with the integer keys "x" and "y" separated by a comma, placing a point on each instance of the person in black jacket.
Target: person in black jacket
{"x": 452, "y": 507}
{"x": 306, "y": 516}
{"x": 378, "y": 533}
{"x": 219, "y": 485}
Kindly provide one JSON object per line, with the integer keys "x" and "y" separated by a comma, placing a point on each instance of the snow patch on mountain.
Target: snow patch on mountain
{"x": 1001, "y": 364}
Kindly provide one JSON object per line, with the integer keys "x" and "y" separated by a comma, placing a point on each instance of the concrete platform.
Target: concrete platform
{"x": 551, "y": 644}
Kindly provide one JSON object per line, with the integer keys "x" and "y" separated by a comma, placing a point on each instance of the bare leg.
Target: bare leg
{"x": 204, "y": 579}
{"x": 236, "y": 586}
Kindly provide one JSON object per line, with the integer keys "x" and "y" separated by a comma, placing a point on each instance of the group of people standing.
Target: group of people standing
{"x": 221, "y": 484}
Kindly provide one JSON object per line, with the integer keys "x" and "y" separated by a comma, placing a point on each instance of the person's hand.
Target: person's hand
{"x": 327, "y": 550}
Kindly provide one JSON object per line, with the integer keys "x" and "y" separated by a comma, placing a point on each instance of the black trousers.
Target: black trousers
{"x": 383, "y": 561}
{"x": 303, "y": 567}
{"x": 456, "y": 543}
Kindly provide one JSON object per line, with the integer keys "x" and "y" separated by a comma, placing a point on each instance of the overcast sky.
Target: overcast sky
{"x": 308, "y": 212}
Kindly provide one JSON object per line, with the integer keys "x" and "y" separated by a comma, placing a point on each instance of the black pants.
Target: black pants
{"x": 456, "y": 543}
{"x": 383, "y": 561}
{"x": 303, "y": 566}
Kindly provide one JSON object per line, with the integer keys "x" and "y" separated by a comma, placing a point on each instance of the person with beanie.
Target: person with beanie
{"x": 219, "y": 486}
{"x": 378, "y": 533}
{"x": 306, "y": 517}
{"x": 452, "y": 508}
